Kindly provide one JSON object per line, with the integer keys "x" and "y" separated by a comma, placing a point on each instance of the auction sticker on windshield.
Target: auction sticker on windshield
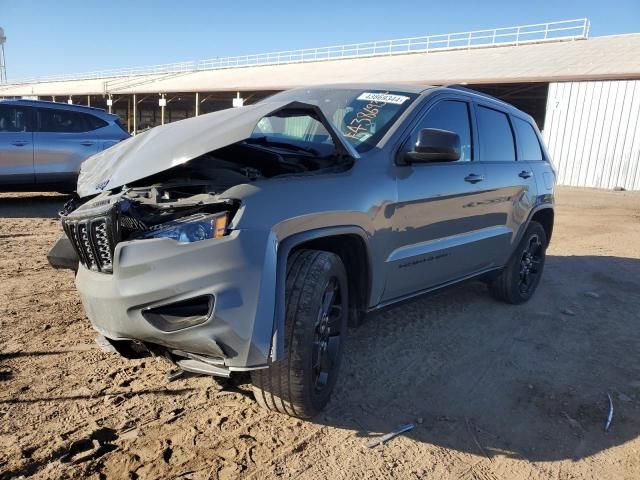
{"x": 383, "y": 98}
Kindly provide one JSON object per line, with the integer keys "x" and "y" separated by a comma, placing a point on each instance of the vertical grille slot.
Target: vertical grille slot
{"x": 85, "y": 244}
{"x": 100, "y": 236}
{"x": 94, "y": 240}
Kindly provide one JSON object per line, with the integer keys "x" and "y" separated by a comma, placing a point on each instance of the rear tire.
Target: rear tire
{"x": 520, "y": 278}
{"x": 317, "y": 305}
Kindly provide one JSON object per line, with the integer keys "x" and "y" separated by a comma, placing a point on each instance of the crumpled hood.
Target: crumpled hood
{"x": 167, "y": 146}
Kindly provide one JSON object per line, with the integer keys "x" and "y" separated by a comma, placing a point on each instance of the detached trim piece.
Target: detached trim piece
{"x": 63, "y": 255}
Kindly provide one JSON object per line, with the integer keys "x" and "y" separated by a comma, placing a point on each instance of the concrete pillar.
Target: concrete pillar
{"x": 197, "y": 110}
{"x": 135, "y": 114}
{"x": 88, "y": 100}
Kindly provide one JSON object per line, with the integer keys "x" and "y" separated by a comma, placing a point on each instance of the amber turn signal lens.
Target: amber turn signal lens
{"x": 220, "y": 226}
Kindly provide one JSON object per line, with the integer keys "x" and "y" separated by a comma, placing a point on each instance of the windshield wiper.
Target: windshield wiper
{"x": 288, "y": 146}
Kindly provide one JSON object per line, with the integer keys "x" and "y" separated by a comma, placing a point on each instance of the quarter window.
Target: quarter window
{"x": 13, "y": 119}
{"x": 527, "y": 140}
{"x": 93, "y": 123}
{"x": 496, "y": 136}
{"x": 451, "y": 115}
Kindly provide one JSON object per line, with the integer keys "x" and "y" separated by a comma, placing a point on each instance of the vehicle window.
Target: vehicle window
{"x": 13, "y": 118}
{"x": 496, "y": 137}
{"x": 60, "y": 121}
{"x": 93, "y": 122}
{"x": 299, "y": 127}
{"x": 527, "y": 140}
{"x": 363, "y": 116}
{"x": 451, "y": 115}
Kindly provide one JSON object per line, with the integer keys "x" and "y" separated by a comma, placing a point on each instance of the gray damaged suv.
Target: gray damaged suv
{"x": 42, "y": 144}
{"x": 249, "y": 239}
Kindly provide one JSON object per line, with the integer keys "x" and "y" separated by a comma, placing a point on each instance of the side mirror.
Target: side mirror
{"x": 434, "y": 145}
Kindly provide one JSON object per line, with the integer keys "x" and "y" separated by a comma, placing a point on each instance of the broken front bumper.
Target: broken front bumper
{"x": 236, "y": 272}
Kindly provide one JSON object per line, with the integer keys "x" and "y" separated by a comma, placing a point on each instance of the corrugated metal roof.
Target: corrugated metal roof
{"x": 598, "y": 58}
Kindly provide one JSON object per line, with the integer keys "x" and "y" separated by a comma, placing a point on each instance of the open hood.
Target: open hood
{"x": 167, "y": 146}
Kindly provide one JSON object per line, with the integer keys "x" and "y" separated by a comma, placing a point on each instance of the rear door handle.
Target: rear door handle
{"x": 474, "y": 178}
{"x": 525, "y": 174}
{"x": 19, "y": 143}
{"x": 87, "y": 144}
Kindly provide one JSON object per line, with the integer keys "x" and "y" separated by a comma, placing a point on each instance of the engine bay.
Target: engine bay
{"x": 216, "y": 172}
{"x": 186, "y": 201}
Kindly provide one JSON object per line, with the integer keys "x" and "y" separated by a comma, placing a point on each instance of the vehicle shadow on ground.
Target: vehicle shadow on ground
{"x": 36, "y": 205}
{"x": 478, "y": 376}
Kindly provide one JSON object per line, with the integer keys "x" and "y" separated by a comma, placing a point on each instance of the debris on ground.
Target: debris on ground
{"x": 388, "y": 436}
{"x": 592, "y": 294}
{"x": 575, "y": 424}
{"x": 568, "y": 311}
{"x": 624, "y": 398}
{"x": 610, "y": 416}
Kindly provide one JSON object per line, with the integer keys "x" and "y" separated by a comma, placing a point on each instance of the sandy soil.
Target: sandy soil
{"x": 496, "y": 391}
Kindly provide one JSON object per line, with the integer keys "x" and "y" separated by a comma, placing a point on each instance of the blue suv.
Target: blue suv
{"x": 42, "y": 144}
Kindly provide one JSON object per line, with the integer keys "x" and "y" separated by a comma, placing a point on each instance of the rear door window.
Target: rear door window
{"x": 496, "y": 136}
{"x": 60, "y": 121}
{"x": 64, "y": 121}
{"x": 14, "y": 119}
{"x": 527, "y": 140}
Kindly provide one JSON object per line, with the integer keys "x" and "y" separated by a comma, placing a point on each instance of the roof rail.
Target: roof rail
{"x": 26, "y": 101}
{"x": 464, "y": 88}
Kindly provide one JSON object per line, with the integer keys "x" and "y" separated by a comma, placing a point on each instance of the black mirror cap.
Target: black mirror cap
{"x": 435, "y": 145}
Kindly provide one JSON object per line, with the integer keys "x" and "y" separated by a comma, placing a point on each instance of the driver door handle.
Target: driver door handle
{"x": 19, "y": 143}
{"x": 86, "y": 144}
{"x": 525, "y": 174}
{"x": 474, "y": 178}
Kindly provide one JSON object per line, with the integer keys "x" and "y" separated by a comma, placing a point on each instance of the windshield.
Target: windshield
{"x": 363, "y": 116}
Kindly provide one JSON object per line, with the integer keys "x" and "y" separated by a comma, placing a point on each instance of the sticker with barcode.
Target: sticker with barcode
{"x": 383, "y": 98}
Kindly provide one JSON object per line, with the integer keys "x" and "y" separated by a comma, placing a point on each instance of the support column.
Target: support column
{"x": 197, "y": 110}
{"x": 163, "y": 103}
{"x": 135, "y": 114}
{"x": 53, "y": 99}
{"x": 88, "y": 100}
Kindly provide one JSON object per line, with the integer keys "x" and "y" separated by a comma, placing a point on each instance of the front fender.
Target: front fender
{"x": 284, "y": 248}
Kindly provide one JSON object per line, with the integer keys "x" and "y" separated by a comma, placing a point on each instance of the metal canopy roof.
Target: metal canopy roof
{"x": 597, "y": 58}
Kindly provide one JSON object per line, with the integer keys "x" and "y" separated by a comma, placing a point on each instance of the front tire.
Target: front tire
{"x": 317, "y": 305}
{"x": 521, "y": 276}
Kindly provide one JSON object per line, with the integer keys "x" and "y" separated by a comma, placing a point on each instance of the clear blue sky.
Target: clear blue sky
{"x": 68, "y": 36}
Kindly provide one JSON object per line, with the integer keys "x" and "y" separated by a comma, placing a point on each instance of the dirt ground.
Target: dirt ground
{"x": 495, "y": 391}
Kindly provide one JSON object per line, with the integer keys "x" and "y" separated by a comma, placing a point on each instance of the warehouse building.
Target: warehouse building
{"x": 584, "y": 92}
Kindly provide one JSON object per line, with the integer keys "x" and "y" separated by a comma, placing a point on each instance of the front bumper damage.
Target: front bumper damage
{"x": 236, "y": 272}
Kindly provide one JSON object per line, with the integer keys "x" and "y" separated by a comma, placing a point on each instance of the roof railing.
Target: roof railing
{"x": 577, "y": 29}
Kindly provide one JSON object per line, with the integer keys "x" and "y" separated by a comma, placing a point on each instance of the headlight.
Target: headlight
{"x": 193, "y": 228}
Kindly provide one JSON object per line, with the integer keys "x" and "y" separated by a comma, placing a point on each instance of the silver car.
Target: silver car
{"x": 247, "y": 239}
{"x": 43, "y": 144}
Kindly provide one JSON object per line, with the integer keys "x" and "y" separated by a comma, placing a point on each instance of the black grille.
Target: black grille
{"x": 94, "y": 239}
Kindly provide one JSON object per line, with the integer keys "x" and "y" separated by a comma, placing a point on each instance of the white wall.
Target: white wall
{"x": 592, "y": 130}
